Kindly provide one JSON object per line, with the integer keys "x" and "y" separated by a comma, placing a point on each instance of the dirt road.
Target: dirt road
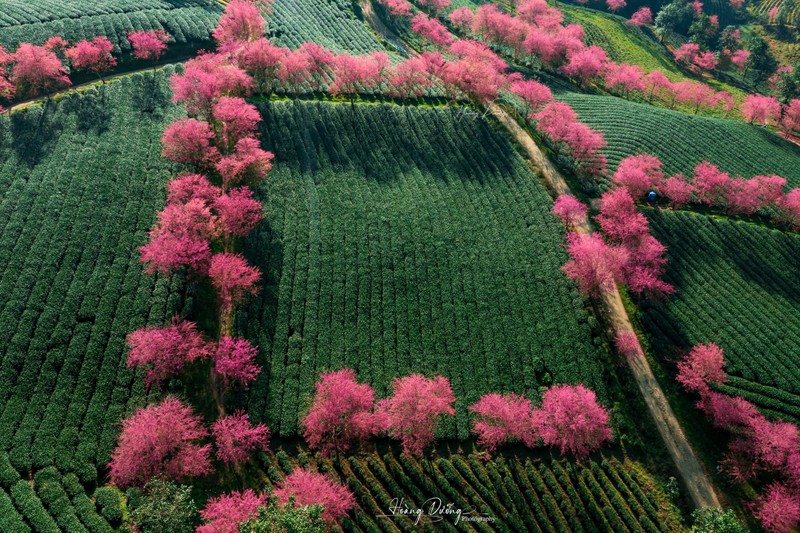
{"x": 694, "y": 477}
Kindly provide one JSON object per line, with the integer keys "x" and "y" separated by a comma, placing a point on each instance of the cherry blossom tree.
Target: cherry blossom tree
{"x": 261, "y": 59}
{"x": 160, "y": 440}
{"x": 615, "y": 5}
{"x": 248, "y": 164}
{"x": 398, "y": 8}
{"x": 642, "y": 17}
{"x": 695, "y": 94}
{"x": 628, "y": 77}
{"x": 410, "y": 78}
{"x": 164, "y": 351}
{"x": 93, "y": 56}
{"x": 188, "y": 141}
{"x": 711, "y": 185}
{"x": 414, "y": 408}
{"x": 791, "y": 117}
{"x": 188, "y": 187}
{"x": 232, "y": 278}
{"x": 204, "y": 79}
{"x": 586, "y": 64}
{"x": 431, "y": 29}
{"x": 705, "y": 61}
{"x": 619, "y": 218}
{"x": 56, "y": 44}
{"x": 761, "y": 109}
{"x": 235, "y": 119}
{"x": 569, "y": 209}
{"x": 726, "y": 412}
{"x": 149, "y": 45}
{"x": 789, "y": 209}
{"x": 37, "y": 70}
{"x": 677, "y": 190}
{"x": 224, "y": 513}
{"x": 686, "y": 53}
{"x": 584, "y": 145}
{"x": 533, "y": 94}
{"x": 341, "y": 413}
{"x": 571, "y": 418}
{"x": 594, "y": 265}
{"x": 779, "y": 509}
{"x": 703, "y": 365}
{"x": 236, "y": 438}
{"x": 434, "y": 6}
{"x": 462, "y": 17}
{"x": 312, "y": 488}
{"x": 739, "y": 58}
{"x": 656, "y": 82}
{"x": 748, "y": 196}
{"x": 354, "y": 73}
{"x": 166, "y": 252}
{"x": 234, "y": 360}
{"x": 238, "y": 211}
{"x": 319, "y": 60}
{"x": 241, "y": 22}
{"x": 501, "y": 418}
{"x": 639, "y": 174}
{"x": 627, "y": 344}
{"x": 294, "y": 70}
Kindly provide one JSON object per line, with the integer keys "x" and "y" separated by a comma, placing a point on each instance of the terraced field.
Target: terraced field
{"x": 517, "y": 492}
{"x": 681, "y": 141}
{"x": 189, "y": 21}
{"x": 762, "y": 7}
{"x": 79, "y": 186}
{"x": 736, "y": 286}
{"x": 332, "y": 24}
{"x": 404, "y": 239}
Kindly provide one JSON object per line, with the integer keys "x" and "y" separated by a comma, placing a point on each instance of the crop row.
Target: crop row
{"x": 190, "y": 23}
{"x": 46, "y": 502}
{"x": 737, "y": 286}
{"x": 510, "y": 493}
{"x": 792, "y": 12}
{"x": 332, "y": 24}
{"x": 681, "y": 140}
{"x": 399, "y": 240}
{"x": 77, "y": 199}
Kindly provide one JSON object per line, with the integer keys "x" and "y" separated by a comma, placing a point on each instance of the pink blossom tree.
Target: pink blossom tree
{"x": 431, "y": 29}
{"x": 642, "y": 17}
{"x": 241, "y": 22}
{"x": 789, "y": 209}
{"x": 695, "y": 94}
{"x": 398, "y": 8}
{"x": 37, "y": 70}
{"x": 615, "y": 5}
{"x": 583, "y": 146}
{"x": 93, "y": 56}
{"x": 677, "y": 190}
{"x": 149, "y": 45}
{"x": 594, "y": 265}
{"x": 311, "y": 488}
{"x": 779, "y": 509}
{"x": 625, "y": 76}
{"x": 232, "y": 278}
{"x": 571, "y": 418}
{"x": 223, "y": 514}
{"x": 656, "y": 83}
{"x": 686, "y": 53}
{"x": 414, "y": 408}
{"x": 703, "y": 365}
{"x": 585, "y": 64}
{"x": 166, "y": 252}
{"x": 553, "y": 121}
{"x": 355, "y": 73}
{"x": 761, "y": 109}
{"x": 627, "y": 344}
{"x": 261, "y": 59}
{"x": 164, "y": 351}
{"x": 341, "y": 413}
{"x": 238, "y": 211}
{"x": 247, "y": 164}
{"x": 711, "y": 184}
{"x": 569, "y": 209}
{"x": 739, "y": 58}
{"x": 462, "y": 17}
{"x": 619, "y": 218}
{"x": 204, "y": 79}
{"x": 639, "y": 174}
{"x": 188, "y": 187}
{"x": 501, "y": 418}
{"x": 160, "y": 440}
{"x": 235, "y": 360}
{"x": 234, "y": 119}
{"x": 188, "y": 141}
{"x": 533, "y": 94}
{"x": 790, "y": 123}
{"x": 410, "y": 78}
{"x": 236, "y": 437}
{"x": 705, "y": 61}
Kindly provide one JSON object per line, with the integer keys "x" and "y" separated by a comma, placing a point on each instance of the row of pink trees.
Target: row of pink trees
{"x": 33, "y": 70}
{"x": 344, "y": 413}
{"x": 757, "y": 445}
{"x": 709, "y": 185}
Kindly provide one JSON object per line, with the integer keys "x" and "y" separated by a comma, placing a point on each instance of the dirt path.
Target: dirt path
{"x": 694, "y": 477}
{"x": 84, "y": 85}
{"x": 375, "y": 22}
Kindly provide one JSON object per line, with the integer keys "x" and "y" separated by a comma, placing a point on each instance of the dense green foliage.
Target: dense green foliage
{"x": 681, "y": 140}
{"x": 80, "y": 182}
{"x": 736, "y": 286}
{"x": 189, "y": 21}
{"x": 46, "y": 502}
{"x": 518, "y": 493}
{"x": 333, "y": 24}
{"x": 404, "y": 239}
{"x": 286, "y": 518}
{"x": 164, "y": 507}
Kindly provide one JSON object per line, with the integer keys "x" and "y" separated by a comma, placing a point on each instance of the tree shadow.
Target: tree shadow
{"x": 91, "y": 110}
{"x": 34, "y": 132}
{"x": 150, "y": 94}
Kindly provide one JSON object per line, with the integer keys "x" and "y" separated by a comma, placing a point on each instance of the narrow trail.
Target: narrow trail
{"x": 694, "y": 477}
{"x": 374, "y": 21}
